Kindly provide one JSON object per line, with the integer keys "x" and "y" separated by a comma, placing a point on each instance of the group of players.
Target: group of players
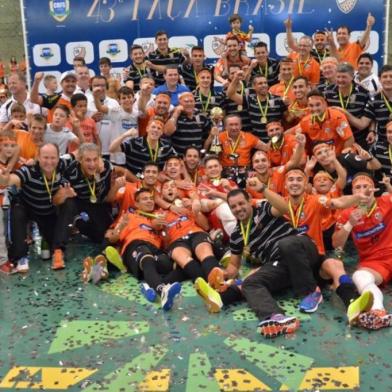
{"x": 177, "y": 181}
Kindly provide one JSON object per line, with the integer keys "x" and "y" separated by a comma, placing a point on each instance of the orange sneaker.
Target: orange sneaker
{"x": 277, "y": 325}
{"x": 58, "y": 260}
{"x": 87, "y": 266}
{"x": 216, "y": 280}
{"x": 375, "y": 319}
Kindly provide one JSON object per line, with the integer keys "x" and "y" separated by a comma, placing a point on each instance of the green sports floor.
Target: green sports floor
{"x": 57, "y": 334}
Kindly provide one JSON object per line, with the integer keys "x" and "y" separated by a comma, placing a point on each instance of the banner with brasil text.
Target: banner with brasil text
{"x": 59, "y": 30}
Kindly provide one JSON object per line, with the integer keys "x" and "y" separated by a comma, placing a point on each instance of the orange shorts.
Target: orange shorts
{"x": 383, "y": 267}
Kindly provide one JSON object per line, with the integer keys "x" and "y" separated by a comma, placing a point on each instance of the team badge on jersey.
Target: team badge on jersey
{"x": 59, "y": 9}
{"x": 346, "y": 6}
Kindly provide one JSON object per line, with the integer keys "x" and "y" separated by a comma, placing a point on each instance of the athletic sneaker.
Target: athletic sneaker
{"x": 211, "y": 297}
{"x": 360, "y": 305}
{"x": 23, "y": 265}
{"x": 7, "y": 268}
{"x": 311, "y": 302}
{"x": 58, "y": 260}
{"x": 114, "y": 258}
{"x": 100, "y": 269}
{"x": 224, "y": 261}
{"x": 375, "y": 319}
{"x": 168, "y": 294}
{"x": 278, "y": 324}
{"x": 87, "y": 266}
{"x": 148, "y": 292}
{"x": 216, "y": 279}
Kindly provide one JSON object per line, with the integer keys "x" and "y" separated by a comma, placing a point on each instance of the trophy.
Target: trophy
{"x": 216, "y": 118}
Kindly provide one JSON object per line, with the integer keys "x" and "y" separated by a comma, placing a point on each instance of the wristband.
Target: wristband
{"x": 348, "y": 227}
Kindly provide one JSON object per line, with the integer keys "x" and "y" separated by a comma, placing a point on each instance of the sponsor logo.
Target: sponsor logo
{"x": 59, "y": 9}
{"x": 368, "y": 233}
{"x": 46, "y": 53}
{"x": 113, "y": 49}
{"x": 346, "y": 6}
{"x": 302, "y": 229}
{"x": 79, "y": 51}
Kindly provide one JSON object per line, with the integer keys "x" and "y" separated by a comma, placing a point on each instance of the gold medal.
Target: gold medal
{"x": 239, "y": 108}
{"x": 93, "y": 199}
{"x": 178, "y": 203}
{"x": 275, "y": 139}
{"x": 216, "y": 182}
{"x": 263, "y": 120}
{"x": 246, "y": 252}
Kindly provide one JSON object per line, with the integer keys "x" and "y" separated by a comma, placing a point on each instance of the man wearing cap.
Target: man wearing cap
{"x": 68, "y": 85}
{"x": 370, "y": 226}
{"x": 19, "y": 93}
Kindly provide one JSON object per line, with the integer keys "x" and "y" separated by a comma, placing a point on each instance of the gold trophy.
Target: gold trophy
{"x": 216, "y": 118}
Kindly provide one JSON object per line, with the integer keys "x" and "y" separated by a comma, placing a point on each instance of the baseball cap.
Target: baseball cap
{"x": 67, "y": 74}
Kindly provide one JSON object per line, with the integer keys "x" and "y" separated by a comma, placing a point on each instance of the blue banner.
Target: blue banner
{"x": 59, "y": 30}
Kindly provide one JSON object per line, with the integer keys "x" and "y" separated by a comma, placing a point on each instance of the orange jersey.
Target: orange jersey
{"x": 243, "y": 148}
{"x": 280, "y": 89}
{"x": 282, "y": 153}
{"x": 125, "y": 196}
{"x": 210, "y": 184}
{"x": 61, "y": 101}
{"x": 311, "y": 217}
{"x": 179, "y": 226}
{"x": 143, "y": 121}
{"x": 334, "y": 130}
{"x": 139, "y": 228}
{"x": 310, "y": 68}
{"x": 275, "y": 183}
{"x": 28, "y": 149}
{"x": 373, "y": 235}
{"x": 350, "y": 53}
{"x": 331, "y": 215}
{"x": 297, "y": 111}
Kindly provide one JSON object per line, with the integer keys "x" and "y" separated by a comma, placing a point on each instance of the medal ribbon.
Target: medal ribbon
{"x": 265, "y": 73}
{"x": 154, "y": 156}
{"x": 205, "y": 108}
{"x": 372, "y": 208}
{"x": 234, "y": 147}
{"x": 91, "y": 188}
{"x": 146, "y": 214}
{"x": 287, "y": 87}
{"x": 321, "y": 58}
{"x": 341, "y": 99}
{"x": 295, "y": 217}
{"x": 300, "y": 69}
{"x": 387, "y": 104}
{"x": 246, "y": 231}
{"x": 49, "y": 189}
{"x": 263, "y": 110}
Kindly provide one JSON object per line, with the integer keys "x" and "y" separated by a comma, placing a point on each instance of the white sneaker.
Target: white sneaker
{"x": 169, "y": 293}
{"x": 23, "y": 265}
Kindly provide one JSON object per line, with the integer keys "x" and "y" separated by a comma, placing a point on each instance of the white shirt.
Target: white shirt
{"x": 5, "y": 110}
{"x": 124, "y": 121}
{"x": 371, "y": 83}
{"x": 106, "y": 127}
{"x": 60, "y": 138}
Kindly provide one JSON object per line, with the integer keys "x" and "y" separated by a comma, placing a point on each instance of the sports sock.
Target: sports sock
{"x": 365, "y": 281}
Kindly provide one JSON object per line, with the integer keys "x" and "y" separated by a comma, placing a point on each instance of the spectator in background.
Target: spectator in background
{"x": 18, "y": 89}
{"x": 13, "y": 65}
{"x": 105, "y": 68}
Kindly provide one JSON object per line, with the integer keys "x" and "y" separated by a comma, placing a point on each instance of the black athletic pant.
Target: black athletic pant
{"x": 99, "y": 220}
{"x": 21, "y": 215}
{"x": 298, "y": 261}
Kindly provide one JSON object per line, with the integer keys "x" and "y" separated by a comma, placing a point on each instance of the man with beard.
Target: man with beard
{"x": 139, "y": 68}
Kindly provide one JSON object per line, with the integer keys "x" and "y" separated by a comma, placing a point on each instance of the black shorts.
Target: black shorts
{"x": 190, "y": 241}
{"x": 137, "y": 249}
